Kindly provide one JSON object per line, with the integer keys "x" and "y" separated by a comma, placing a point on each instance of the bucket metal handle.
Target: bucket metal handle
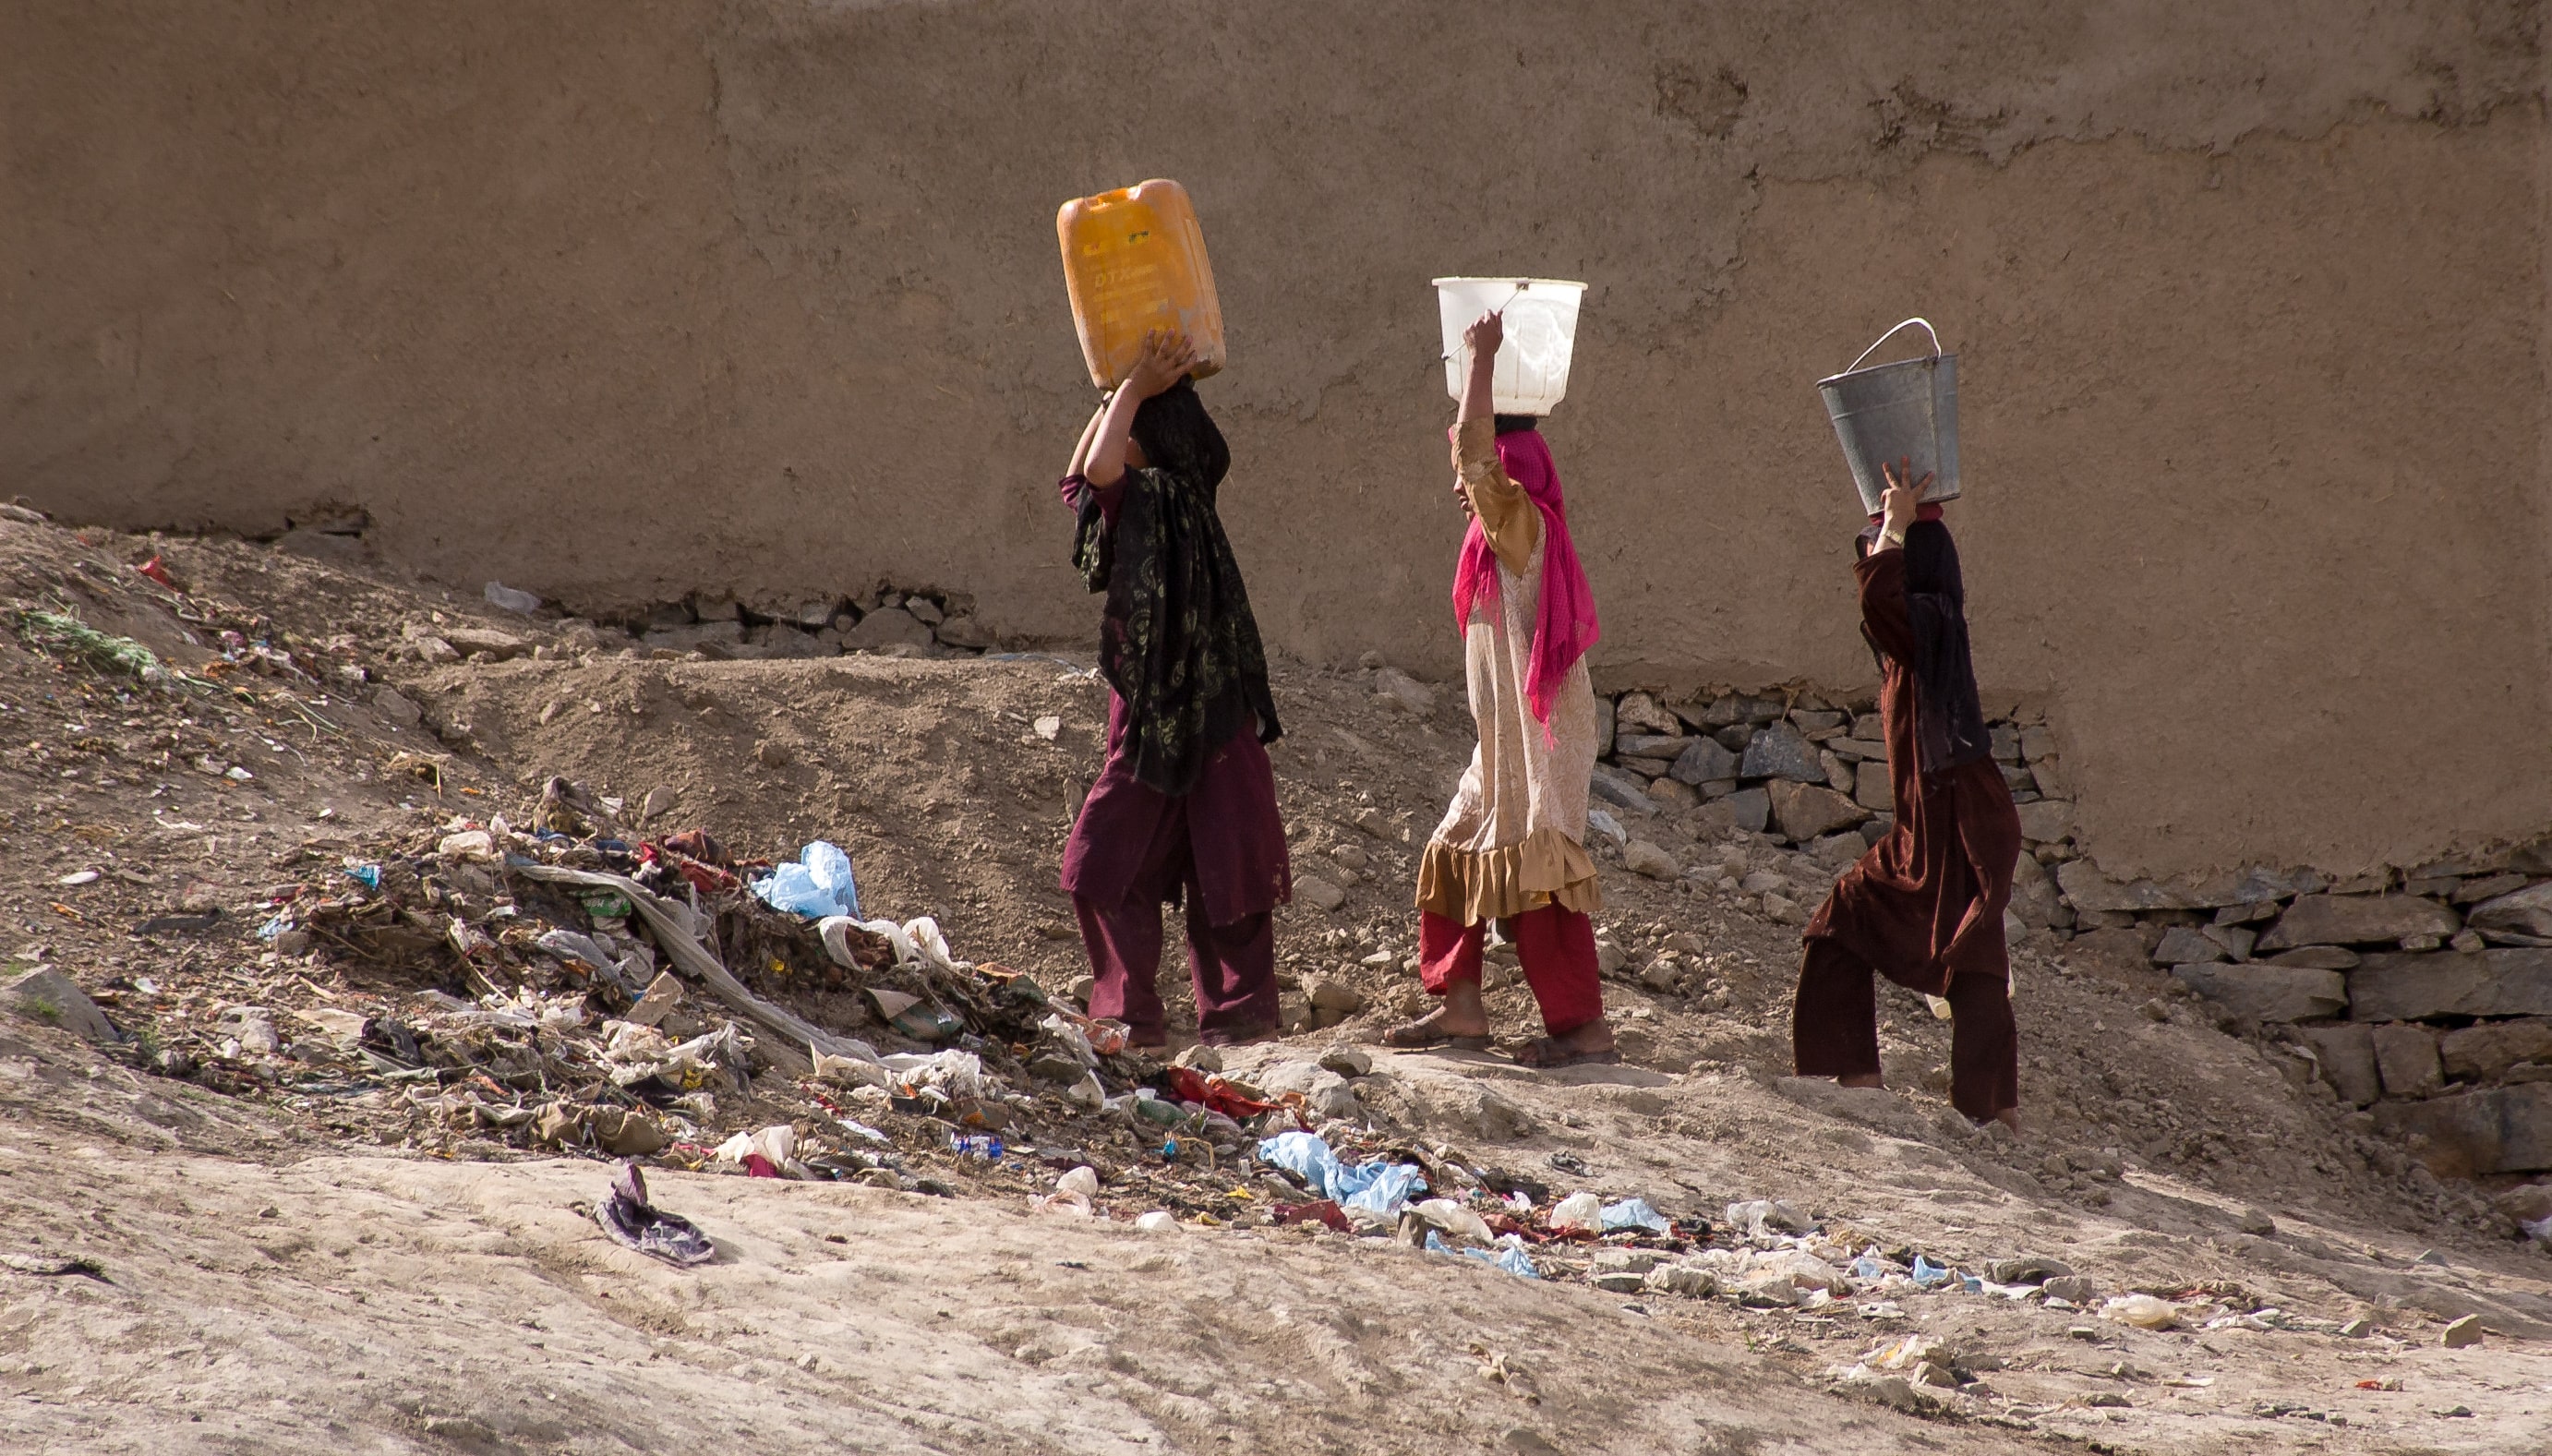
{"x": 1892, "y": 333}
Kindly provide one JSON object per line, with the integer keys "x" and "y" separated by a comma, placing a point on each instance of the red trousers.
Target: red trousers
{"x": 1834, "y": 1028}
{"x": 1557, "y": 944}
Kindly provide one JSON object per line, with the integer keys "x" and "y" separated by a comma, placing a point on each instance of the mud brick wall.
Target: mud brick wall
{"x": 622, "y": 301}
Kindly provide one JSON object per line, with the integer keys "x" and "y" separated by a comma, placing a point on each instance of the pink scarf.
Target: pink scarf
{"x": 1564, "y": 626}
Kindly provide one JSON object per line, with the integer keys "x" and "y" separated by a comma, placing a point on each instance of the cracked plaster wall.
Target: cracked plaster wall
{"x": 618, "y": 300}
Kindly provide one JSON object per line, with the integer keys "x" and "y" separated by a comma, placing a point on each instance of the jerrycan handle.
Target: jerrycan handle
{"x": 1892, "y": 333}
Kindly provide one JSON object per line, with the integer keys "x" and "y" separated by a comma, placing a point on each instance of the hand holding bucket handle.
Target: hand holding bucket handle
{"x": 1892, "y": 333}
{"x": 1902, "y": 503}
{"x": 1498, "y": 313}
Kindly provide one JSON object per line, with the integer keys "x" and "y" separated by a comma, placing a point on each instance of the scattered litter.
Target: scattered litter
{"x": 79, "y": 877}
{"x": 771, "y": 1152}
{"x": 1456, "y": 1219}
{"x": 2144, "y": 1311}
{"x": 1159, "y": 1220}
{"x": 1308, "y": 1157}
{"x": 1509, "y": 1256}
{"x": 1635, "y": 1213}
{"x": 818, "y": 884}
{"x": 1762, "y": 1217}
{"x": 1582, "y": 1213}
{"x": 626, "y": 1215}
{"x": 1047, "y": 726}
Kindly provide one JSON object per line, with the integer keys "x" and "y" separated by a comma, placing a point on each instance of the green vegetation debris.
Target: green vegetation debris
{"x": 72, "y": 640}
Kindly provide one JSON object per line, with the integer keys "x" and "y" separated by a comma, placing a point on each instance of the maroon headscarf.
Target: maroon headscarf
{"x": 1565, "y": 624}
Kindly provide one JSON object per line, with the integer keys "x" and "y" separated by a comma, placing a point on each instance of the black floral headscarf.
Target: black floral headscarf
{"x": 1177, "y": 640}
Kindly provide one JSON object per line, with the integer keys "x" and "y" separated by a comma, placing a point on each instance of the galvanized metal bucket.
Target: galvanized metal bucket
{"x": 1908, "y": 410}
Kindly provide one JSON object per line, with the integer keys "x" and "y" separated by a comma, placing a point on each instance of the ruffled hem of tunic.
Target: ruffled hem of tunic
{"x": 1472, "y": 885}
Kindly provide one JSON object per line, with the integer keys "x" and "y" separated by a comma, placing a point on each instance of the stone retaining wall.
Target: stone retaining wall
{"x": 886, "y": 620}
{"x": 2423, "y": 994}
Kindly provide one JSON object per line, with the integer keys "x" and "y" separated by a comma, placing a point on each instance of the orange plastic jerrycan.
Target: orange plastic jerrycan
{"x": 1134, "y": 261}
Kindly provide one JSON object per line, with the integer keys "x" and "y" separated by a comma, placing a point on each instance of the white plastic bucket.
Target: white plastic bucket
{"x": 1540, "y": 338}
{"x": 1908, "y": 410}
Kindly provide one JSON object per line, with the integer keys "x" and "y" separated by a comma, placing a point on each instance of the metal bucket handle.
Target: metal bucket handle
{"x": 1892, "y": 333}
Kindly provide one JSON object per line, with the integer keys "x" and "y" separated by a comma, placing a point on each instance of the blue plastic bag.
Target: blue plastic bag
{"x": 1510, "y": 1257}
{"x": 1379, "y": 1188}
{"x": 1635, "y": 1213}
{"x": 1307, "y": 1157}
{"x": 1388, "y": 1191}
{"x": 1927, "y": 1274}
{"x": 820, "y": 883}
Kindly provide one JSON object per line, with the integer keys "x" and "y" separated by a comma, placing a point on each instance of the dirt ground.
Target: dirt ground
{"x": 303, "y": 1265}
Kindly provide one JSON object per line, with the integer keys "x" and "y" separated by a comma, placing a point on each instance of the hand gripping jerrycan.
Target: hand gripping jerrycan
{"x": 1540, "y": 314}
{"x": 1133, "y": 261}
{"x": 1907, "y": 410}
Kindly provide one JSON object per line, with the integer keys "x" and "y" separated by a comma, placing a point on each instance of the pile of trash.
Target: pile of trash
{"x": 559, "y": 984}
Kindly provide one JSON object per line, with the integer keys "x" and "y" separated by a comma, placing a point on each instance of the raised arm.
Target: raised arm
{"x": 1165, "y": 359}
{"x": 1088, "y": 433}
{"x": 1510, "y": 521}
{"x": 1486, "y": 334}
{"x": 1882, "y": 571}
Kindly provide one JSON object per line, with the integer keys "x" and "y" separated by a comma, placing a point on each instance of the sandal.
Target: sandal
{"x": 1429, "y": 1031}
{"x": 1546, "y": 1054}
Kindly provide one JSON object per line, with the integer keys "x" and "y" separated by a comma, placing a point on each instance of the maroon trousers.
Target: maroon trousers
{"x": 1833, "y": 1029}
{"x": 1220, "y": 849}
{"x": 1557, "y": 945}
{"x": 1234, "y": 964}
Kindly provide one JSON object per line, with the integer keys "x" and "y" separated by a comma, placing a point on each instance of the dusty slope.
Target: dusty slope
{"x": 412, "y": 1303}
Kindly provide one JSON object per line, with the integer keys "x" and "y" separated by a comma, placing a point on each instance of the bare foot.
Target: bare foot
{"x": 1459, "y": 1013}
{"x": 1860, "y": 1079}
{"x": 1436, "y": 1028}
{"x": 1592, "y": 1042}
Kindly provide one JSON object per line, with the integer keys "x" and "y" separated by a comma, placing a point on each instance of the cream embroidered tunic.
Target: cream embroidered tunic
{"x": 1514, "y": 838}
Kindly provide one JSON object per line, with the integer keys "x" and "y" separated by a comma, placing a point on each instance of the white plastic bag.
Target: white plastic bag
{"x": 1456, "y": 1221}
{"x": 1578, "y": 1210}
{"x": 2144, "y": 1311}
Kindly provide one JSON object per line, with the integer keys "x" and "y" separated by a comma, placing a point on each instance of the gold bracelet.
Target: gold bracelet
{"x": 1887, "y": 539}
